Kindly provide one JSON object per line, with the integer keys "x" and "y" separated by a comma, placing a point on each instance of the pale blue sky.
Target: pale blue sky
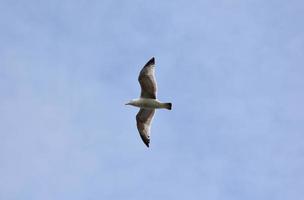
{"x": 233, "y": 70}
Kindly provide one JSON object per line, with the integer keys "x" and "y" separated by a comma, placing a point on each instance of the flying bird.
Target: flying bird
{"x": 147, "y": 101}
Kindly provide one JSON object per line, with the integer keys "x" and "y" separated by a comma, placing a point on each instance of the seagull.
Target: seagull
{"x": 147, "y": 101}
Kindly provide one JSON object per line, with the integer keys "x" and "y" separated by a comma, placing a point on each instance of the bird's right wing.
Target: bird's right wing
{"x": 147, "y": 80}
{"x": 144, "y": 118}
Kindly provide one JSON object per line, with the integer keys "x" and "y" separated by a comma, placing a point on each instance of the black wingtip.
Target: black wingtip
{"x": 147, "y": 142}
{"x": 150, "y": 62}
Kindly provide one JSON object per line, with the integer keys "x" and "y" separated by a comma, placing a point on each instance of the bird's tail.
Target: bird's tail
{"x": 168, "y": 106}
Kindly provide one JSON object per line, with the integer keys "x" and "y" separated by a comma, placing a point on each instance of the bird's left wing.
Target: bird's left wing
{"x": 147, "y": 80}
{"x": 144, "y": 118}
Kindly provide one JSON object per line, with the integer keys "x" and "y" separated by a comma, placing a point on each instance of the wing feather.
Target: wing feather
{"x": 144, "y": 118}
{"x": 147, "y": 80}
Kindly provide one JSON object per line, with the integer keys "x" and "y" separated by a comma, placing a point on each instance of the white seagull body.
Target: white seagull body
{"x": 147, "y": 101}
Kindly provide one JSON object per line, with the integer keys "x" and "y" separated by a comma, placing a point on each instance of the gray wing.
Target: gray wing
{"x": 147, "y": 80}
{"x": 144, "y": 118}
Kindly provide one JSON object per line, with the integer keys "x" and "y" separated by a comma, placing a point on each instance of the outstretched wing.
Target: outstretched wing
{"x": 147, "y": 80}
{"x": 144, "y": 118}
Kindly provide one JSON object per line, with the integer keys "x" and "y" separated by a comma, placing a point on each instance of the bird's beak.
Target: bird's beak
{"x": 127, "y": 103}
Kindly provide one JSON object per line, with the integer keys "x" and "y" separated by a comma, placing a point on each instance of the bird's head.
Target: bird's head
{"x": 131, "y": 102}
